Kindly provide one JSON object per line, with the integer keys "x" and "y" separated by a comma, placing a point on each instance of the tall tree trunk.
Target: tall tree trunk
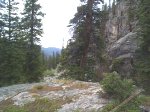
{"x": 88, "y": 32}
{"x": 30, "y": 64}
{"x": 109, "y": 5}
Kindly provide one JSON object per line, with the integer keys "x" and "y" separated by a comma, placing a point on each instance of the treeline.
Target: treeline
{"x": 51, "y": 61}
{"x": 20, "y": 52}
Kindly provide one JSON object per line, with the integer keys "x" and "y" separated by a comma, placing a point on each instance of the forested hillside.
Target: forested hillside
{"x": 50, "y": 57}
{"x": 50, "y": 50}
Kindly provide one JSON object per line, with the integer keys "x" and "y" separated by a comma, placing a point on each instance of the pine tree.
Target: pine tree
{"x": 31, "y": 25}
{"x": 83, "y": 50}
{"x": 11, "y": 52}
{"x": 2, "y": 24}
{"x": 114, "y": 8}
{"x": 109, "y": 5}
{"x": 10, "y": 18}
{"x": 143, "y": 58}
{"x": 131, "y": 13}
{"x": 20, "y": 56}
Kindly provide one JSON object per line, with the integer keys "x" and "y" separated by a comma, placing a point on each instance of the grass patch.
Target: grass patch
{"x": 42, "y": 105}
{"x": 39, "y": 105}
{"x": 46, "y": 105}
{"x": 5, "y": 103}
{"x": 40, "y": 88}
{"x": 79, "y": 85}
{"x": 14, "y": 109}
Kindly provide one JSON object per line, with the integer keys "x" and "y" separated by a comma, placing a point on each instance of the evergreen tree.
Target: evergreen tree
{"x": 57, "y": 58}
{"x": 143, "y": 58}
{"x": 11, "y": 19}
{"x": 2, "y": 24}
{"x": 44, "y": 61}
{"x": 131, "y": 13}
{"x": 20, "y": 56}
{"x": 83, "y": 52}
{"x": 11, "y": 52}
{"x": 114, "y": 8}
{"x": 31, "y": 25}
{"x": 109, "y": 5}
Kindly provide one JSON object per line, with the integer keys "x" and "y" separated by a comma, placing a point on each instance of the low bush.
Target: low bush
{"x": 115, "y": 87}
{"x": 132, "y": 106}
{"x": 145, "y": 100}
{"x": 119, "y": 90}
{"x": 49, "y": 72}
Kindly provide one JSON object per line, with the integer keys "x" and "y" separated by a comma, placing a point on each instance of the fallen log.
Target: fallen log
{"x": 136, "y": 93}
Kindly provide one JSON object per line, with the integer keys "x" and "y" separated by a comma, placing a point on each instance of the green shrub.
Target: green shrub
{"x": 49, "y": 72}
{"x": 132, "y": 106}
{"x": 142, "y": 69}
{"x": 75, "y": 72}
{"x": 109, "y": 106}
{"x": 115, "y": 87}
{"x": 120, "y": 89}
{"x": 117, "y": 63}
{"x": 145, "y": 100}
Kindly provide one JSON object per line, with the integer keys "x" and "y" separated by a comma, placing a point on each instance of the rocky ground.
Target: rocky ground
{"x": 75, "y": 95}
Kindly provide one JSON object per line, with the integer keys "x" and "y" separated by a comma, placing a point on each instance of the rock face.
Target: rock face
{"x": 81, "y": 95}
{"x": 121, "y": 36}
{"x": 10, "y": 91}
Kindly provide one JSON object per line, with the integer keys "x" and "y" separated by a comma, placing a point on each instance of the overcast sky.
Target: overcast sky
{"x": 58, "y": 14}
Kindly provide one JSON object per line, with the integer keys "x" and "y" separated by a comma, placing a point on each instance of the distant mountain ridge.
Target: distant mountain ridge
{"x": 49, "y": 51}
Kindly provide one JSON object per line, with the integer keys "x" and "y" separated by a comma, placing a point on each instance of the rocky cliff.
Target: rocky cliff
{"x": 121, "y": 36}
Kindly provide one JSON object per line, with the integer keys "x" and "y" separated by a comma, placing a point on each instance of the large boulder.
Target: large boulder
{"x": 122, "y": 54}
{"x": 125, "y": 45}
